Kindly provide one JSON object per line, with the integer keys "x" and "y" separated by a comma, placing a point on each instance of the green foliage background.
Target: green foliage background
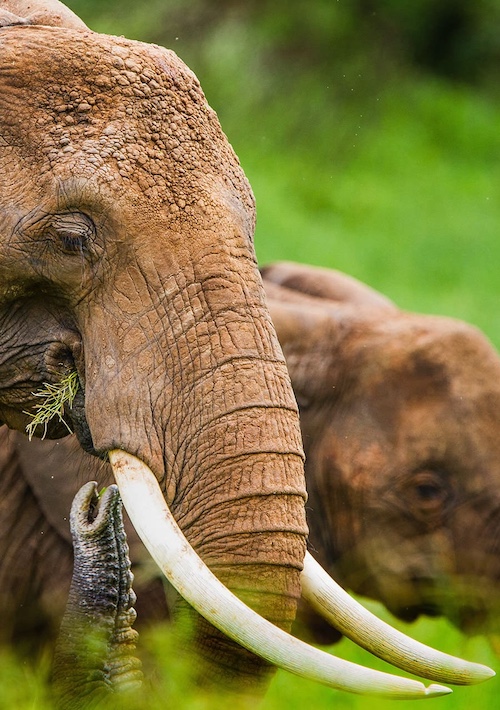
{"x": 369, "y": 132}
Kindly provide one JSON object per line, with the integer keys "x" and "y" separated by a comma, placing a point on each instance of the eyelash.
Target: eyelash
{"x": 73, "y": 243}
{"x": 72, "y": 232}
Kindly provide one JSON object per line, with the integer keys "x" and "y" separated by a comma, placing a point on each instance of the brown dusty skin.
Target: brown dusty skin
{"x": 400, "y": 416}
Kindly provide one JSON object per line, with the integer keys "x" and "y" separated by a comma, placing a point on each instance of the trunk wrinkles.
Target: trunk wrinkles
{"x": 241, "y": 504}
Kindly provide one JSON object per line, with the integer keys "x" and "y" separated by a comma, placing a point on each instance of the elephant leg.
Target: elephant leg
{"x": 94, "y": 656}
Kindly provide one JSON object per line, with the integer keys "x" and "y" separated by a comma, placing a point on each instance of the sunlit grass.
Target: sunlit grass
{"x": 23, "y": 686}
{"x": 411, "y": 209}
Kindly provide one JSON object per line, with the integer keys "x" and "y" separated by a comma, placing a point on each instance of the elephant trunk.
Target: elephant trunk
{"x": 219, "y": 428}
{"x": 242, "y": 509}
{"x": 96, "y": 639}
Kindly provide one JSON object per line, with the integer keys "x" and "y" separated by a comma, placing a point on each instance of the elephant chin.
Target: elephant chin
{"x": 181, "y": 565}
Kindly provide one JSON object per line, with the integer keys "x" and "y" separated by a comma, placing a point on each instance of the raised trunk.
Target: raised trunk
{"x": 94, "y": 658}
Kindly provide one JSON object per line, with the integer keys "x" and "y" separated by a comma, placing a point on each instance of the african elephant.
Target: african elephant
{"x": 126, "y": 260}
{"x": 400, "y": 416}
{"x": 126, "y": 256}
{"x": 313, "y": 330}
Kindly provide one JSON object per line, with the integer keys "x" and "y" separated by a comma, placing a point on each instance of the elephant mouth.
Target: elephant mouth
{"x": 76, "y": 420}
{"x": 181, "y": 565}
{"x": 471, "y": 620}
{"x": 470, "y": 615}
{"x": 70, "y": 417}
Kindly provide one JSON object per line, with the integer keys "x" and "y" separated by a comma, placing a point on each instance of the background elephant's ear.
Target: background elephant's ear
{"x": 39, "y": 12}
{"x": 298, "y": 322}
{"x": 326, "y": 284}
{"x": 309, "y": 336}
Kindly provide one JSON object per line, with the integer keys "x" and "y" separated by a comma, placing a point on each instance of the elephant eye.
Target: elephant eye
{"x": 429, "y": 494}
{"x": 72, "y": 231}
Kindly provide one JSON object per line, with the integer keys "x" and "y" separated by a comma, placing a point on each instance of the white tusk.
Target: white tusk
{"x": 381, "y": 639}
{"x": 181, "y": 565}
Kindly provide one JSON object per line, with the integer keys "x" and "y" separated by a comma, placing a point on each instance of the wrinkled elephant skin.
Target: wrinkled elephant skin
{"x": 126, "y": 255}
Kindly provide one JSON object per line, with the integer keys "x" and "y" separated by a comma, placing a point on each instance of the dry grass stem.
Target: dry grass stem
{"x": 54, "y": 397}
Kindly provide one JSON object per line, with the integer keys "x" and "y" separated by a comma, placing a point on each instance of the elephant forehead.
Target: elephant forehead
{"x": 79, "y": 100}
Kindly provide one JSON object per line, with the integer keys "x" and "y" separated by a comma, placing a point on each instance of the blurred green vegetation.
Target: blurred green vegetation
{"x": 369, "y": 132}
{"x": 169, "y": 678}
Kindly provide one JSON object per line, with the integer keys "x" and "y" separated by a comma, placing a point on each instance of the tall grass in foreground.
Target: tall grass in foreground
{"x": 169, "y": 683}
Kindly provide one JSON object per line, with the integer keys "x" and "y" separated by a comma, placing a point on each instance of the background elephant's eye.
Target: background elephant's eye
{"x": 429, "y": 493}
{"x": 73, "y": 232}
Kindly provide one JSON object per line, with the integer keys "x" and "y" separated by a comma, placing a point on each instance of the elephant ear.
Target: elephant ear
{"x": 310, "y": 336}
{"x": 324, "y": 340}
{"x": 39, "y": 12}
{"x": 298, "y": 319}
{"x": 326, "y": 284}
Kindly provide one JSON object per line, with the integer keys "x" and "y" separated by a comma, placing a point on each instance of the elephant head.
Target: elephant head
{"x": 400, "y": 416}
{"x": 126, "y": 257}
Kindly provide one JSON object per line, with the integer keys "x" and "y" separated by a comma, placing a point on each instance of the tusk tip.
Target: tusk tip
{"x": 483, "y": 673}
{"x": 434, "y": 690}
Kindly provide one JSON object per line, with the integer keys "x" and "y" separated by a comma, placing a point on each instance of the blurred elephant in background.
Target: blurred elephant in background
{"x": 400, "y": 418}
{"x": 399, "y": 415}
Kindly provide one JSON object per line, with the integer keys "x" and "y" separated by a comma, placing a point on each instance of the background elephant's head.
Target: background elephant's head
{"x": 400, "y": 416}
{"x": 126, "y": 255}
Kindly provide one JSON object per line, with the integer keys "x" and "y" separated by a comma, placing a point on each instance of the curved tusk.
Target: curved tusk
{"x": 181, "y": 565}
{"x": 367, "y": 630}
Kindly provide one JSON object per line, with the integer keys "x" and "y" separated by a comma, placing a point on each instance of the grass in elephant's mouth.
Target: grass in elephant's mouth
{"x": 53, "y": 397}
